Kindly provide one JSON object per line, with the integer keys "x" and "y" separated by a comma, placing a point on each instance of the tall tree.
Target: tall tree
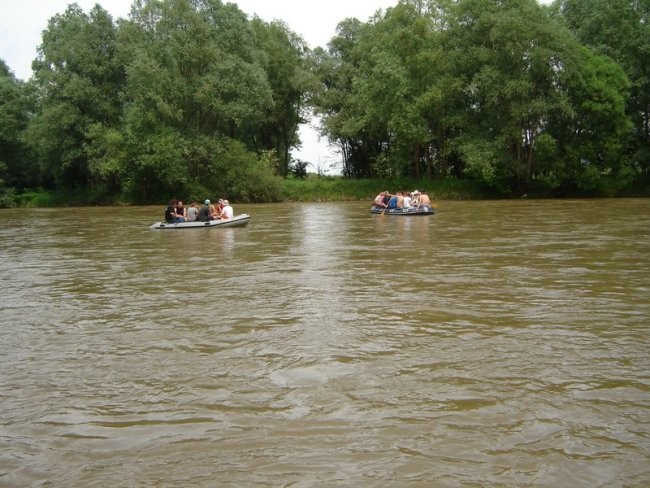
{"x": 17, "y": 169}
{"x": 338, "y": 71}
{"x": 406, "y": 83}
{"x": 509, "y": 65}
{"x": 284, "y": 60}
{"x": 78, "y": 84}
{"x": 194, "y": 77}
{"x": 620, "y": 29}
{"x": 521, "y": 70}
{"x": 591, "y": 137}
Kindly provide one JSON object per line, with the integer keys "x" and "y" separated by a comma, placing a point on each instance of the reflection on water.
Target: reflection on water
{"x": 493, "y": 344}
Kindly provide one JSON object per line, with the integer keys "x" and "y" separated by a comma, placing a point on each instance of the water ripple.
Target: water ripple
{"x": 494, "y": 344}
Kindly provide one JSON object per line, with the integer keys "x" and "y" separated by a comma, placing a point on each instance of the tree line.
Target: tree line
{"x": 193, "y": 98}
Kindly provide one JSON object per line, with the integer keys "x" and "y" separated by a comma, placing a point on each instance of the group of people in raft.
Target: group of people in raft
{"x": 176, "y": 212}
{"x": 402, "y": 199}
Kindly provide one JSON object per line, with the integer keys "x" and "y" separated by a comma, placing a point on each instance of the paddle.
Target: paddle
{"x": 386, "y": 204}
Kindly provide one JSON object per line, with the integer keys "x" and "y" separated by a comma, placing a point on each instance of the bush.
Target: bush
{"x": 8, "y": 198}
{"x": 258, "y": 185}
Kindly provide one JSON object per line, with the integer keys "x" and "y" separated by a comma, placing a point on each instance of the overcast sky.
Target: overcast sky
{"x": 22, "y": 21}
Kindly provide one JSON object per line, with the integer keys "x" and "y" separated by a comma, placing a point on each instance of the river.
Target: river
{"x": 497, "y": 343}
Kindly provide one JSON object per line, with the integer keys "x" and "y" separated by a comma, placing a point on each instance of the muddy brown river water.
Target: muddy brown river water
{"x": 501, "y": 343}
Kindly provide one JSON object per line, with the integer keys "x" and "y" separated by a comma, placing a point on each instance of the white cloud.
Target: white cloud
{"x": 22, "y": 22}
{"x": 315, "y": 21}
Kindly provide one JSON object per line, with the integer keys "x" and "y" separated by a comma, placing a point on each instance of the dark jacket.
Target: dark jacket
{"x": 204, "y": 214}
{"x": 169, "y": 211}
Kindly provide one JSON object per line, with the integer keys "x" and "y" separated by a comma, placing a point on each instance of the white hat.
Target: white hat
{"x": 207, "y": 202}
{"x": 225, "y": 202}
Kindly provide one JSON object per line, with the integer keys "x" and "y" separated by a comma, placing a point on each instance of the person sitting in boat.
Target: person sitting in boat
{"x": 400, "y": 199}
{"x": 170, "y": 211}
{"x": 181, "y": 212}
{"x": 205, "y": 212}
{"x": 392, "y": 202}
{"x": 192, "y": 212}
{"x": 406, "y": 202}
{"x": 215, "y": 210}
{"x": 415, "y": 200}
{"x": 218, "y": 208}
{"x": 382, "y": 199}
{"x": 423, "y": 199}
{"x": 226, "y": 211}
{"x": 379, "y": 200}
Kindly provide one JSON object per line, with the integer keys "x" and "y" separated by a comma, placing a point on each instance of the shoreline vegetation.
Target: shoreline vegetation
{"x": 317, "y": 188}
{"x": 465, "y": 99}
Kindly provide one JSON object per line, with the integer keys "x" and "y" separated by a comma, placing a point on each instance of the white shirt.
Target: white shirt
{"x": 226, "y": 212}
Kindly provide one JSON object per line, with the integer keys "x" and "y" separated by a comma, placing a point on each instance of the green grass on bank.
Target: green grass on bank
{"x": 44, "y": 198}
{"x": 316, "y": 188}
{"x": 313, "y": 188}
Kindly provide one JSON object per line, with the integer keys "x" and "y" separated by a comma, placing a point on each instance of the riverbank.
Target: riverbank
{"x": 313, "y": 188}
{"x": 335, "y": 188}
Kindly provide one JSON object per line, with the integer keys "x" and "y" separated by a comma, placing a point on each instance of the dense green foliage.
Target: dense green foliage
{"x": 191, "y": 98}
{"x": 503, "y": 92}
{"x": 316, "y": 188}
